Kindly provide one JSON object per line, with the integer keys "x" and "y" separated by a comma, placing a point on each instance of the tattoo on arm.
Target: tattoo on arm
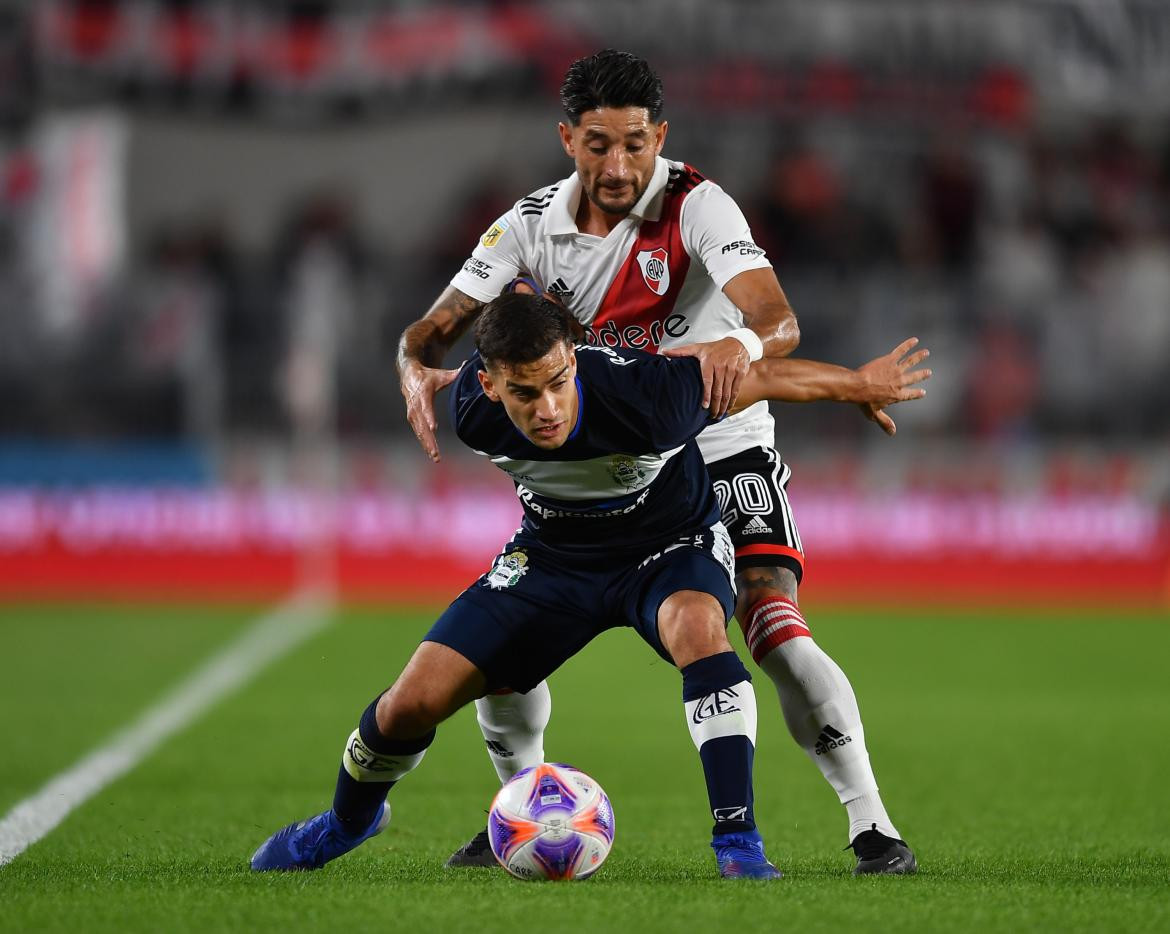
{"x": 429, "y": 338}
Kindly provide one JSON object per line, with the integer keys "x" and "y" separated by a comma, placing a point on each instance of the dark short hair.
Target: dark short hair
{"x": 518, "y": 328}
{"x": 610, "y": 79}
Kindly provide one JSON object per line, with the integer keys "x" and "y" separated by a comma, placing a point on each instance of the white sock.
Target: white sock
{"x": 819, "y": 707}
{"x": 365, "y": 765}
{"x": 513, "y": 728}
{"x": 866, "y": 812}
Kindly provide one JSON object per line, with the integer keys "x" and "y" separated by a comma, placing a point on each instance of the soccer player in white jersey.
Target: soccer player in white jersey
{"x": 645, "y": 252}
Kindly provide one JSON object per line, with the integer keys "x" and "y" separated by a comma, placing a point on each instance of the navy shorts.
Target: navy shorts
{"x": 537, "y": 607}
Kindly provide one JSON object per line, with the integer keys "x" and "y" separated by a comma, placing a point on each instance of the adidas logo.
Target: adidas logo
{"x": 831, "y": 738}
{"x": 561, "y": 288}
{"x": 755, "y": 526}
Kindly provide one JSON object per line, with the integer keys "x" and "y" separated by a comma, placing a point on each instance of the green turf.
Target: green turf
{"x": 1024, "y": 758}
{"x": 74, "y": 674}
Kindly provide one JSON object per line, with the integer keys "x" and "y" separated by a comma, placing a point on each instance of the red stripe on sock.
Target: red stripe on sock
{"x": 773, "y": 622}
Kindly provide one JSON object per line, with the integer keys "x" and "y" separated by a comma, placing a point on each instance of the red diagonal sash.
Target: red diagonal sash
{"x": 638, "y": 308}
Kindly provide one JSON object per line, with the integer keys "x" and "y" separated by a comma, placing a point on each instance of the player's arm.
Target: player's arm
{"x": 420, "y": 355}
{"x": 496, "y": 259}
{"x": 765, "y": 309}
{"x": 717, "y": 234}
{"x": 875, "y": 385}
{"x": 770, "y": 329}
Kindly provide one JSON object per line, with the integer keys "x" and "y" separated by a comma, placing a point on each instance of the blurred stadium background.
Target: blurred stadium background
{"x": 216, "y": 219}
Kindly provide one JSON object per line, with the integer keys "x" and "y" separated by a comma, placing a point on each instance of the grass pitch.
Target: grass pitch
{"x": 1023, "y": 756}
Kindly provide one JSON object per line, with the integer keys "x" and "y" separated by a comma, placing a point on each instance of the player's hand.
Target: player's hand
{"x": 890, "y": 379}
{"x": 875, "y": 414}
{"x": 420, "y": 384}
{"x": 724, "y": 364}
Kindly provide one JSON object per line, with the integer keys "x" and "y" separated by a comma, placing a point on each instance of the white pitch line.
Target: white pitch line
{"x": 271, "y": 636}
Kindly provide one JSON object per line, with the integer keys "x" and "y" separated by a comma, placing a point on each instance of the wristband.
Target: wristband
{"x": 751, "y": 342}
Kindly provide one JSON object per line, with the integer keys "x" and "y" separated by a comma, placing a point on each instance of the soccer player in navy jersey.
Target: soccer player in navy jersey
{"x": 621, "y": 528}
{"x": 646, "y": 252}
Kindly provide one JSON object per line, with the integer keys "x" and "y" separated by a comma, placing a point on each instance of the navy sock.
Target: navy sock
{"x": 355, "y": 803}
{"x": 721, "y": 715}
{"x": 727, "y": 766}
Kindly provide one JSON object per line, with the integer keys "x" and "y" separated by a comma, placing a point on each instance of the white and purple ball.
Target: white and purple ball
{"x": 551, "y": 821}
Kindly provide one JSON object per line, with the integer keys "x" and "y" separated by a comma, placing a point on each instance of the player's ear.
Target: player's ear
{"x": 660, "y": 137}
{"x": 485, "y": 381}
{"x": 566, "y": 138}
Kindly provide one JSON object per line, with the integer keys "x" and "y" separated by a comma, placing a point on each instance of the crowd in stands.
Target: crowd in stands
{"x": 1036, "y": 266}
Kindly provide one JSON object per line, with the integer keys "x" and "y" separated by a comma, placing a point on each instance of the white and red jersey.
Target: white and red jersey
{"x": 655, "y": 281}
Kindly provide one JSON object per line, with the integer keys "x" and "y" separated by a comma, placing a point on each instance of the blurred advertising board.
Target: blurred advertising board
{"x": 425, "y": 546}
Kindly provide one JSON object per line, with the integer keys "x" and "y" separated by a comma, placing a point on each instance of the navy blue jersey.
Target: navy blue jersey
{"x": 630, "y": 474}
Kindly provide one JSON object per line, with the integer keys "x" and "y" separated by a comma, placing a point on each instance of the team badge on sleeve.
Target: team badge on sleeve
{"x": 655, "y": 269}
{"x": 492, "y": 237}
{"x": 508, "y": 570}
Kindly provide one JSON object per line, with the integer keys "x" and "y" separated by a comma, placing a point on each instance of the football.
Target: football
{"x": 551, "y": 821}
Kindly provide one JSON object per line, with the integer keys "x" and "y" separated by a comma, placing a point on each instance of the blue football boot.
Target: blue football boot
{"x": 741, "y": 856}
{"x": 310, "y": 844}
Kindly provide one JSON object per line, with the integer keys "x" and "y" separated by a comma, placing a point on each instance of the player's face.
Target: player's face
{"x": 540, "y": 397}
{"x": 614, "y": 150}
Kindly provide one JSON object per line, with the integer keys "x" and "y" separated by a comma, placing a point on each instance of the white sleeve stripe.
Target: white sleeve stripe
{"x": 773, "y": 614}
